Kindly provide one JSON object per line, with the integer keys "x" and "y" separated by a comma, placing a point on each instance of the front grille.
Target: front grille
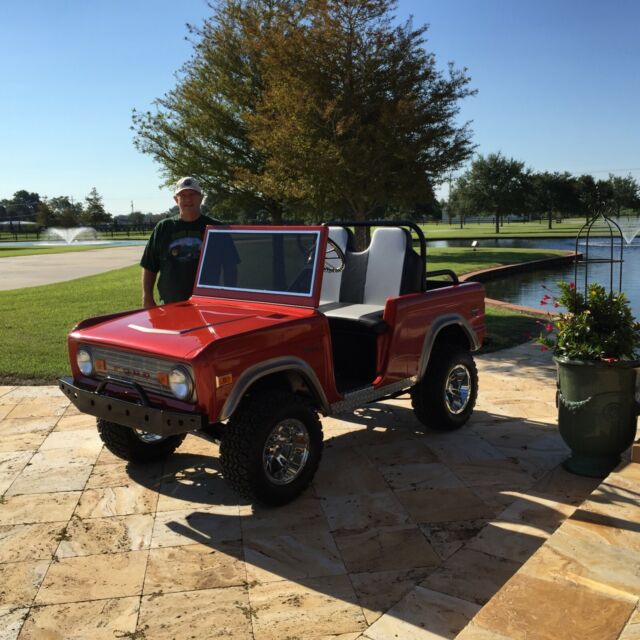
{"x": 134, "y": 367}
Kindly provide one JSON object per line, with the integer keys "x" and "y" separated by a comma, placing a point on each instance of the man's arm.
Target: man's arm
{"x": 148, "y": 282}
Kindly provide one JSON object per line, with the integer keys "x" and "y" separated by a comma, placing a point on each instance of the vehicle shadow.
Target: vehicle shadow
{"x": 425, "y": 526}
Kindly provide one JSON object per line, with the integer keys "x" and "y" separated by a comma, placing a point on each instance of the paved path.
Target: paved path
{"x": 405, "y": 534}
{"x": 30, "y": 271}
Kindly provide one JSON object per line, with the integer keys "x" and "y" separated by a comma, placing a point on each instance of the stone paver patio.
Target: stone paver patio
{"x": 403, "y": 534}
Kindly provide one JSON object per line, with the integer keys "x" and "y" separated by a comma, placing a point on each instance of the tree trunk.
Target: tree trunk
{"x": 550, "y": 218}
{"x": 497, "y": 223}
{"x": 362, "y": 234}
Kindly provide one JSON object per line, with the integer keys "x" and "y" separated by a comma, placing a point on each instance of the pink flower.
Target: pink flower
{"x": 549, "y": 326}
{"x": 543, "y": 302}
{"x": 543, "y": 348}
{"x": 572, "y": 285}
{"x": 556, "y": 304}
{"x": 546, "y": 296}
{"x": 609, "y": 360}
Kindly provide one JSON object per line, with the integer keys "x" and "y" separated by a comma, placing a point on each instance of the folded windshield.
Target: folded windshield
{"x": 277, "y": 262}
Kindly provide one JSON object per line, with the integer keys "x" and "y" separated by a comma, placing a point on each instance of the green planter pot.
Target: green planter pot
{"x": 597, "y": 413}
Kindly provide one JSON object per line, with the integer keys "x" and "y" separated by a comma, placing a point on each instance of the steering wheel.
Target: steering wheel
{"x": 334, "y": 258}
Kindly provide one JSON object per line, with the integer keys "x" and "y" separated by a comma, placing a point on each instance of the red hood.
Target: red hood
{"x": 183, "y": 329}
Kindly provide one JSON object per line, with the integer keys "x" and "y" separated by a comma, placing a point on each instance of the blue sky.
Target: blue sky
{"x": 558, "y": 86}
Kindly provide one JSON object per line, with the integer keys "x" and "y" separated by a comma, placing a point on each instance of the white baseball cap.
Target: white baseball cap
{"x": 187, "y": 183}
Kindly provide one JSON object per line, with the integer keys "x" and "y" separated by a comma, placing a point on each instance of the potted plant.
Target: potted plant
{"x": 595, "y": 343}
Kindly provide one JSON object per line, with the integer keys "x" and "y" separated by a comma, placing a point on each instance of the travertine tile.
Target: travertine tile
{"x": 291, "y": 556}
{"x": 193, "y": 615}
{"x": 43, "y": 479}
{"x": 419, "y": 476}
{"x": 99, "y": 577}
{"x": 444, "y": 505}
{"x": 45, "y": 507}
{"x": 11, "y": 619}
{"x": 578, "y": 555}
{"x": 522, "y": 528}
{"x": 115, "y": 474}
{"x": 106, "y": 535}
{"x": 562, "y": 483}
{"x": 80, "y": 439}
{"x": 386, "y": 549}
{"x": 6, "y": 409}
{"x": 194, "y": 567}
{"x": 116, "y": 501}
{"x": 19, "y": 581}
{"x": 106, "y": 457}
{"x": 632, "y": 630}
{"x": 471, "y": 576}
{"x": 362, "y": 512}
{"x": 462, "y": 448}
{"x": 379, "y": 591}
{"x": 328, "y": 606}
{"x": 345, "y": 472}
{"x": 474, "y": 632}
{"x": 195, "y": 492}
{"x": 75, "y": 422}
{"x": 48, "y": 458}
{"x": 403, "y": 452}
{"x": 447, "y": 537}
{"x": 304, "y": 513}
{"x": 15, "y": 426}
{"x": 19, "y": 542}
{"x": 205, "y": 526}
{"x": 39, "y": 408}
{"x": 98, "y": 620}
{"x": 607, "y": 529}
{"x": 562, "y": 610}
{"x": 423, "y": 615}
{"x": 11, "y": 465}
{"x": 21, "y": 441}
{"x": 509, "y": 474}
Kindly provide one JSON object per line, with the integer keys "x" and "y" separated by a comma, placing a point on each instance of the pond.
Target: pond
{"x": 528, "y": 288}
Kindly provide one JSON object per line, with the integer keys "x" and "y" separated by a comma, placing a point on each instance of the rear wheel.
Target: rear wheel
{"x": 445, "y": 397}
{"x": 137, "y": 445}
{"x": 271, "y": 447}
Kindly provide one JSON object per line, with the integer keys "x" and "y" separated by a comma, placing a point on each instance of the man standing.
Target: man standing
{"x": 173, "y": 249}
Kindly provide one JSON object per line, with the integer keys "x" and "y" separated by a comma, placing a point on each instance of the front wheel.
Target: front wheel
{"x": 445, "y": 397}
{"x": 137, "y": 445}
{"x": 271, "y": 447}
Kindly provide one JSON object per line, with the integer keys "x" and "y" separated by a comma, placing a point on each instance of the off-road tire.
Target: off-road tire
{"x": 124, "y": 443}
{"x": 428, "y": 396}
{"x": 243, "y": 444}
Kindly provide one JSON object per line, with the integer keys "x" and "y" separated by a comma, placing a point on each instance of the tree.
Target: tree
{"x": 552, "y": 194}
{"x": 94, "y": 212}
{"x": 624, "y": 193}
{"x": 66, "y": 212}
{"x": 493, "y": 184}
{"x": 355, "y": 116}
{"x": 297, "y": 106}
{"x": 199, "y": 127}
{"x": 22, "y": 206}
{"x": 45, "y": 216}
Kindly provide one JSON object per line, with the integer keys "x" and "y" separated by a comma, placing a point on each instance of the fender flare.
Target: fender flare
{"x": 452, "y": 319}
{"x": 276, "y": 365}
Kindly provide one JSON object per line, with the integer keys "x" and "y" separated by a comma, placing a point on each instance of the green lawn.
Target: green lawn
{"x": 35, "y": 321}
{"x": 567, "y": 228}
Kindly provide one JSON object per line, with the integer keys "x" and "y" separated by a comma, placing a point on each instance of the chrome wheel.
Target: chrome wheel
{"x": 147, "y": 436}
{"x": 457, "y": 390}
{"x": 286, "y": 451}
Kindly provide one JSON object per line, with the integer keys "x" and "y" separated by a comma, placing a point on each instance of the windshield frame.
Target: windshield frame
{"x": 287, "y": 298}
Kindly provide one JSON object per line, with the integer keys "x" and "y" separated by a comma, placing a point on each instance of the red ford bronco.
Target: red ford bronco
{"x": 306, "y": 326}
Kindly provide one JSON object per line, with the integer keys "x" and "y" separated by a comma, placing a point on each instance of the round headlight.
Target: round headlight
{"x": 85, "y": 361}
{"x": 181, "y": 383}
